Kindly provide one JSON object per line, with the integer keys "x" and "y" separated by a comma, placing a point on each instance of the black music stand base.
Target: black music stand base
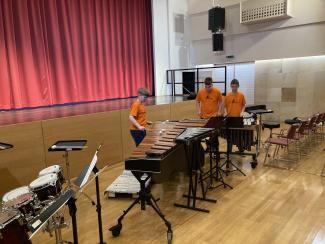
{"x": 195, "y": 178}
{"x": 215, "y": 172}
{"x": 73, "y": 210}
{"x": 217, "y": 176}
{"x": 228, "y": 161}
{"x": 193, "y": 207}
{"x": 145, "y": 197}
{"x": 99, "y": 208}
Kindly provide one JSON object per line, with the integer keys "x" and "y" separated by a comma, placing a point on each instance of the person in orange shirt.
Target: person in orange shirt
{"x": 235, "y": 101}
{"x": 208, "y": 100}
{"x": 138, "y": 117}
{"x": 234, "y": 106}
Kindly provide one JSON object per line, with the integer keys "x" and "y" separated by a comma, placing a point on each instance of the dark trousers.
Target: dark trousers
{"x": 138, "y": 136}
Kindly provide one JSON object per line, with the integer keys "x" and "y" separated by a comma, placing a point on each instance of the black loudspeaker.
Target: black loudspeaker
{"x": 188, "y": 82}
{"x": 216, "y": 19}
{"x": 217, "y": 42}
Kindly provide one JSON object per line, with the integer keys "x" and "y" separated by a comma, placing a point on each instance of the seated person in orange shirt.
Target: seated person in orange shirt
{"x": 138, "y": 117}
{"x": 208, "y": 100}
{"x": 235, "y": 101}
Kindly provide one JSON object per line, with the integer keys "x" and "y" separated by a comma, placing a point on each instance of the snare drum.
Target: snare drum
{"x": 11, "y": 230}
{"x": 54, "y": 169}
{"x": 46, "y": 186}
{"x": 21, "y": 199}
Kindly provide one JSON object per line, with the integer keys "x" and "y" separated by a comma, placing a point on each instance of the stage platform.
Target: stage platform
{"x": 60, "y": 111}
{"x": 33, "y": 131}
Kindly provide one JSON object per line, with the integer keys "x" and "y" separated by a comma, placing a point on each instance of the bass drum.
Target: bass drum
{"x": 11, "y": 230}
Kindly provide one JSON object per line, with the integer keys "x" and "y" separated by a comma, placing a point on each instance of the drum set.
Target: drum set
{"x": 21, "y": 205}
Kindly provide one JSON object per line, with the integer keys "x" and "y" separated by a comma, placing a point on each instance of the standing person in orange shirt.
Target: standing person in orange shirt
{"x": 138, "y": 117}
{"x": 234, "y": 105}
{"x": 235, "y": 101}
{"x": 208, "y": 100}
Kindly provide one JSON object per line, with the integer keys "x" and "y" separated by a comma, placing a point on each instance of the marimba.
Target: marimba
{"x": 158, "y": 151}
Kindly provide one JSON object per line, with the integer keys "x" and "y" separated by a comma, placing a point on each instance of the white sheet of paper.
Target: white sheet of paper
{"x": 92, "y": 165}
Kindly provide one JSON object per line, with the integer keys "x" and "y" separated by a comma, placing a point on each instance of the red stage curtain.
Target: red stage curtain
{"x": 64, "y": 51}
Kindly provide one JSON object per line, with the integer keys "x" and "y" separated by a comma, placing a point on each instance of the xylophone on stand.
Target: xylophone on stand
{"x": 157, "y": 155}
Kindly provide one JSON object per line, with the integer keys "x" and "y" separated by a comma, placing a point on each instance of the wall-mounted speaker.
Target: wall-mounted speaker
{"x": 217, "y": 42}
{"x": 216, "y": 19}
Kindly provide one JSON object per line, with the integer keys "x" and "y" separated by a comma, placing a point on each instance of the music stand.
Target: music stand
{"x": 67, "y": 146}
{"x": 232, "y": 122}
{"x": 216, "y": 123}
{"x": 5, "y": 146}
{"x": 82, "y": 181}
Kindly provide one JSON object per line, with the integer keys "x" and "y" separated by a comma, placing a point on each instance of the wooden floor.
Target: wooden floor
{"x": 269, "y": 205}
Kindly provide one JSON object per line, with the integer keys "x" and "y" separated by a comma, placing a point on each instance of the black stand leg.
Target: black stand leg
{"x": 215, "y": 172}
{"x": 228, "y": 161}
{"x": 195, "y": 177}
{"x": 73, "y": 210}
{"x": 99, "y": 209}
{"x": 145, "y": 197}
{"x": 219, "y": 177}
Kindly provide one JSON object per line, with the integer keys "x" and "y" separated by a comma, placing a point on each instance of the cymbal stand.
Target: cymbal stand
{"x": 67, "y": 165}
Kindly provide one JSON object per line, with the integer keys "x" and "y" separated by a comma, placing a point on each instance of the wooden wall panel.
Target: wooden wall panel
{"x": 21, "y": 164}
{"x": 183, "y": 110}
{"x": 158, "y": 112}
{"x": 128, "y": 143}
{"x": 95, "y": 128}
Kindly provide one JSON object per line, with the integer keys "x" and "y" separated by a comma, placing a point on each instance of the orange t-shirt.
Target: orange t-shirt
{"x": 234, "y": 103}
{"x": 210, "y": 102}
{"x": 138, "y": 111}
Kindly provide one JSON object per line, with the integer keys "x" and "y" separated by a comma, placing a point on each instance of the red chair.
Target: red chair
{"x": 281, "y": 141}
{"x": 310, "y": 131}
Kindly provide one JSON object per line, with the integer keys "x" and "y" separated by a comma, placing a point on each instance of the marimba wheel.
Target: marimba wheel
{"x": 253, "y": 164}
{"x": 116, "y": 229}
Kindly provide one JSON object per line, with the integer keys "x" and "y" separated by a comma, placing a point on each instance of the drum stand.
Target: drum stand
{"x": 72, "y": 201}
{"x": 67, "y": 165}
{"x": 56, "y": 224}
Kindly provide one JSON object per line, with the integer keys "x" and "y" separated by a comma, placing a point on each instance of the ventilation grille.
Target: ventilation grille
{"x": 254, "y": 11}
